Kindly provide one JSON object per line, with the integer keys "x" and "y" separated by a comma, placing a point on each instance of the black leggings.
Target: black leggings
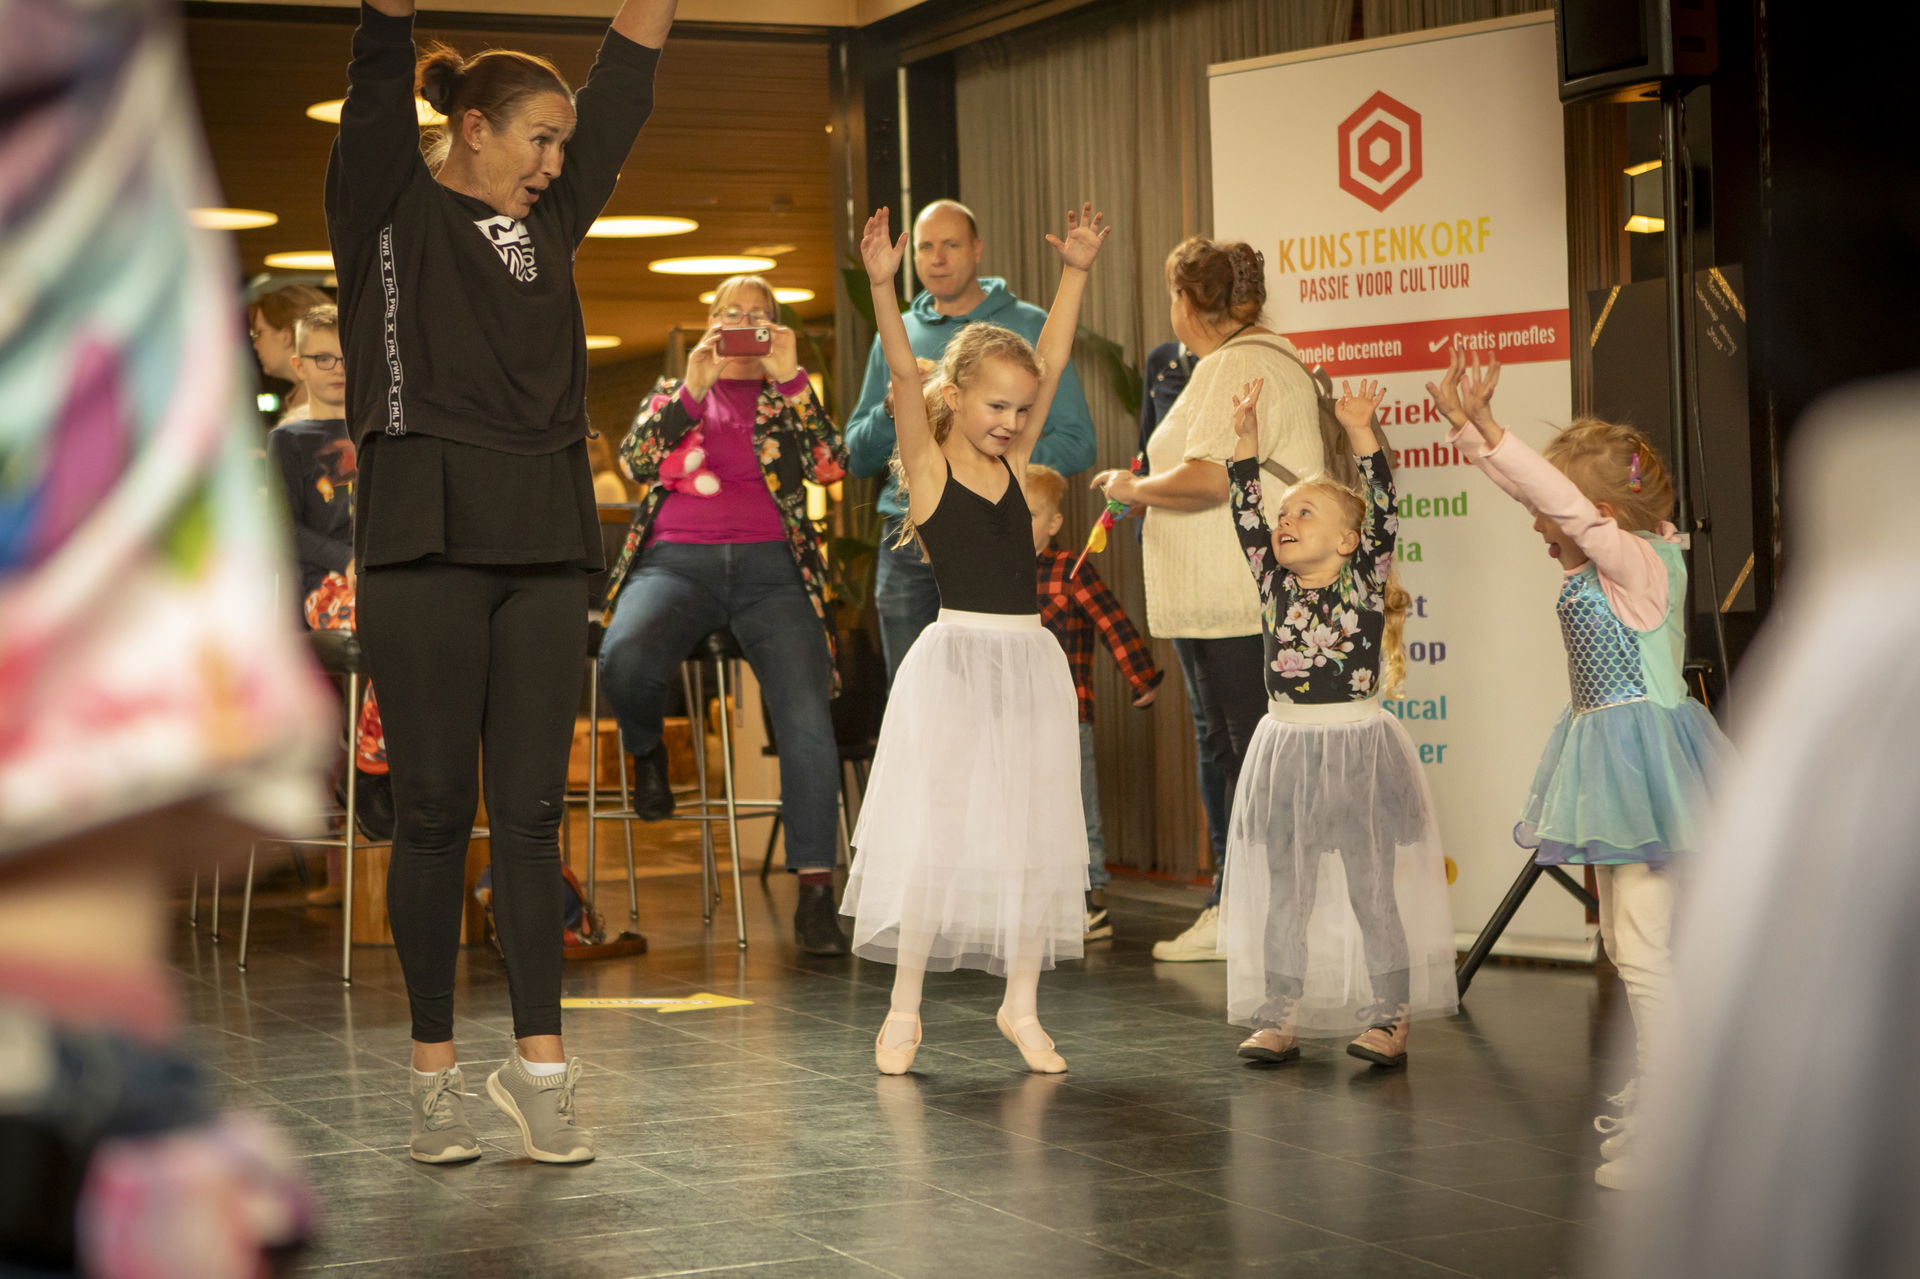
{"x": 1370, "y": 891}
{"x": 1229, "y": 679}
{"x": 476, "y": 660}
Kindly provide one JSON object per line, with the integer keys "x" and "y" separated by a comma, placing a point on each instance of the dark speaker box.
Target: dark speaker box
{"x": 1626, "y": 50}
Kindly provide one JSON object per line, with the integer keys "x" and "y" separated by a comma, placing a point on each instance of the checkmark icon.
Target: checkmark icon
{"x": 1435, "y": 346}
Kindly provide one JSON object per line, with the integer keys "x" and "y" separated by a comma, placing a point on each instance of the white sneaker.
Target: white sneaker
{"x": 1615, "y": 1127}
{"x": 1099, "y": 924}
{"x": 1619, "y": 1174}
{"x": 1200, "y": 942}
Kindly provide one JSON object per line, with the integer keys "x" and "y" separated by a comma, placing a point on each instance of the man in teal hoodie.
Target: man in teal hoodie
{"x": 946, "y": 258}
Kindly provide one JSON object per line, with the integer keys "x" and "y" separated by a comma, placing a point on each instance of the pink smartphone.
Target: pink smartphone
{"x": 745, "y": 341}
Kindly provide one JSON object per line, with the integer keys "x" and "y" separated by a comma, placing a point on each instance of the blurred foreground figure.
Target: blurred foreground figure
{"x": 155, "y": 702}
{"x": 1782, "y": 1130}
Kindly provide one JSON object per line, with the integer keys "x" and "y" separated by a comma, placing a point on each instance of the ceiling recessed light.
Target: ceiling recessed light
{"x": 788, "y": 296}
{"x": 306, "y": 260}
{"x": 328, "y": 112}
{"x": 769, "y": 250}
{"x": 233, "y": 219}
{"x": 632, "y": 228}
{"x": 601, "y": 341}
{"x": 710, "y": 266}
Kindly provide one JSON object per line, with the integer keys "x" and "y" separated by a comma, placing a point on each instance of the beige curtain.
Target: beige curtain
{"x": 1392, "y": 17}
{"x": 1116, "y": 112}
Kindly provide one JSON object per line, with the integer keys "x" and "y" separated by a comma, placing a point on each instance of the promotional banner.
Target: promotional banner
{"x": 1409, "y": 196}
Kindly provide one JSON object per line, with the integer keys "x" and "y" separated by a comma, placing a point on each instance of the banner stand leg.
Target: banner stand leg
{"x": 1510, "y": 906}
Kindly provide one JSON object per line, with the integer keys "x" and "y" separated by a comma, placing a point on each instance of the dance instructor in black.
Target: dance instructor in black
{"x": 476, "y": 529}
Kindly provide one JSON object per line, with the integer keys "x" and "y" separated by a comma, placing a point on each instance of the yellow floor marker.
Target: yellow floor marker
{"x": 656, "y": 1003}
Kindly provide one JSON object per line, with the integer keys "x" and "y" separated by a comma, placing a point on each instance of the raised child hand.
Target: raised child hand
{"x": 1446, "y": 395}
{"x": 1086, "y": 232}
{"x": 879, "y": 250}
{"x": 1356, "y": 411}
{"x": 1476, "y": 390}
{"x": 1246, "y": 411}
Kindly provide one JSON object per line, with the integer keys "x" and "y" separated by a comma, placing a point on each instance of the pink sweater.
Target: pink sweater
{"x": 743, "y": 510}
{"x": 1631, "y": 571}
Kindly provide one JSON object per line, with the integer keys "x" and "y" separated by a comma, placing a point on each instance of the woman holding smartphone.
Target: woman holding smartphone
{"x": 743, "y": 556}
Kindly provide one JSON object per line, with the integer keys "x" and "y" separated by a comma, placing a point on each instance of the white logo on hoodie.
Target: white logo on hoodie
{"x": 512, "y": 242}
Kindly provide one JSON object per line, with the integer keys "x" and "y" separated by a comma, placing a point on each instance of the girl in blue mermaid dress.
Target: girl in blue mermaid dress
{"x": 1623, "y": 781}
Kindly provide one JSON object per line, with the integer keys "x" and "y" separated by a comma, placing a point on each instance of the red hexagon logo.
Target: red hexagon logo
{"x": 1380, "y": 151}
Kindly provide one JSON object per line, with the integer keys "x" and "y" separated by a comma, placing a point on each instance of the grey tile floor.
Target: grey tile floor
{"x": 758, "y": 1140}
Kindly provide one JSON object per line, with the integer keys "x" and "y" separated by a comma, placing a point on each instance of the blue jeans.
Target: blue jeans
{"x": 1226, "y": 691}
{"x": 681, "y": 592}
{"x": 1097, "y": 875}
{"x": 904, "y": 593}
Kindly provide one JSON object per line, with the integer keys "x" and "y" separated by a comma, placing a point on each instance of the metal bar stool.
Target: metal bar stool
{"x": 339, "y": 653}
{"x": 723, "y": 651}
{"x": 596, "y": 634}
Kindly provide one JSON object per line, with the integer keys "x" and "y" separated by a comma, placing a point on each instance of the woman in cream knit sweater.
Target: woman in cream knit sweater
{"x": 1199, "y": 594}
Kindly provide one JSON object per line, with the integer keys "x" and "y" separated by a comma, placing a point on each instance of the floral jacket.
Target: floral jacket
{"x": 796, "y": 441}
{"x": 1323, "y": 643}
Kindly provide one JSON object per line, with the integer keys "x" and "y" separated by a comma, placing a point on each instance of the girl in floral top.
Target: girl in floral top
{"x": 1332, "y": 808}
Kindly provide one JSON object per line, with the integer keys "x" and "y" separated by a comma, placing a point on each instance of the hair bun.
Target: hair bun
{"x": 440, "y": 75}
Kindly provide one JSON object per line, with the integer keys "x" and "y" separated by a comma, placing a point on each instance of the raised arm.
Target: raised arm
{"x": 919, "y": 453}
{"x": 1243, "y": 474}
{"x": 1357, "y": 412}
{"x": 646, "y": 21}
{"x": 378, "y": 147}
{"x": 1086, "y": 233}
{"x": 1473, "y": 438}
{"x": 1631, "y": 571}
{"x": 613, "y": 106}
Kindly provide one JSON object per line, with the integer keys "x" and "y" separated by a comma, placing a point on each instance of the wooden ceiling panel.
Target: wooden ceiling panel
{"x": 738, "y": 142}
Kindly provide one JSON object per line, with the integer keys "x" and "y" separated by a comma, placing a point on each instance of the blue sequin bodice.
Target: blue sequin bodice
{"x": 1603, "y": 652}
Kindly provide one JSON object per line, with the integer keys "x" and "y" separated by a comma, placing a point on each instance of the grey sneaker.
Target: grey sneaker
{"x": 441, "y": 1133}
{"x": 543, "y": 1107}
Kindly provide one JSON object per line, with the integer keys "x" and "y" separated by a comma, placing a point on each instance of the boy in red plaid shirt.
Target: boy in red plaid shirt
{"x": 1073, "y": 608}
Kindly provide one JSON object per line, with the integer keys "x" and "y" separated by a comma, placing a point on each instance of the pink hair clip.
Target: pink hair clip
{"x": 1633, "y": 472}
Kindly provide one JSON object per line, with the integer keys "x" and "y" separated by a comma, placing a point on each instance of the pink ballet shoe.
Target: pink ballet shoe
{"x": 1045, "y": 1061}
{"x": 899, "y": 1060}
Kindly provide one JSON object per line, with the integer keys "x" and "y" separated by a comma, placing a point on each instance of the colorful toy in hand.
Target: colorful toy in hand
{"x": 1115, "y": 512}
{"x": 685, "y": 469}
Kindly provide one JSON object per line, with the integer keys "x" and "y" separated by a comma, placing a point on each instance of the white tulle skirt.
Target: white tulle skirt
{"x": 971, "y": 849}
{"x": 1335, "y": 907}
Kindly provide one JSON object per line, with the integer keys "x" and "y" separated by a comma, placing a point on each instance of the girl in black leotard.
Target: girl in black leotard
{"x": 971, "y": 851}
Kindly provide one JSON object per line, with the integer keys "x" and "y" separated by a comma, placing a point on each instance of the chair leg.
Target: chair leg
{"x": 352, "y": 834}
{"x": 626, "y": 824}
{"x": 709, "y": 864}
{"x": 733, "y": 816}
{"x": 215, "y": 933}
{"x": 193, "y": 902}
{"x": 773, "y": 837}
{"x": 593, "y": 776}
{"x": 246, "y": 905}
{"x": 844, "y": 854}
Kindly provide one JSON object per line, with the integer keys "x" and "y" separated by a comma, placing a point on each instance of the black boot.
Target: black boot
{"x": 652, "y": 792}
{"x": 816, "y": 921}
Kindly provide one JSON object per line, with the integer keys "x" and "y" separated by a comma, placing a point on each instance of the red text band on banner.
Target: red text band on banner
{"x": 1527, "y": 337}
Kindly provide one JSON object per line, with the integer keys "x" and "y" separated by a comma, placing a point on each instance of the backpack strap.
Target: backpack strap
{"x": 1267, "y": 464}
